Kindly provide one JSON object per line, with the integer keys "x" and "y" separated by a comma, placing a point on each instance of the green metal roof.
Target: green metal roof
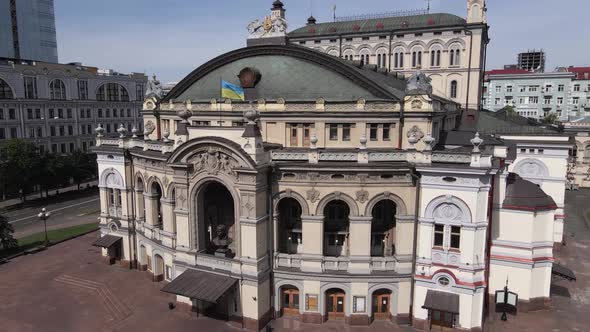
{"x": 399, "y": 23}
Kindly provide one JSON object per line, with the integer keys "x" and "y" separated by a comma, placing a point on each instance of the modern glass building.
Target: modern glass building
{"x": 27, "y": 30}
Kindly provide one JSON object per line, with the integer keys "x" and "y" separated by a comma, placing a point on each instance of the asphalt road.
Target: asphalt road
{"x": 83, "y": 209}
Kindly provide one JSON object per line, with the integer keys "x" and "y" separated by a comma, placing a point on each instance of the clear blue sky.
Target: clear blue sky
{"x": 173, "y": 37}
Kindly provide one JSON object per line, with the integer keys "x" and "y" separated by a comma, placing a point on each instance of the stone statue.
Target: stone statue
{"x": 419, "y": 81}
{"x": 269, "y": 27}
{"x": 221, "y": 242}
{"x": 154, "y": 88}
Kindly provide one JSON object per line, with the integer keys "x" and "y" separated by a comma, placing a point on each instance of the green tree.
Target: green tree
{"x": 550, "y": 118}
{"x": 6, "y": 230}
{"x": 81, "y": 167}
{"x": 21, "y": 165}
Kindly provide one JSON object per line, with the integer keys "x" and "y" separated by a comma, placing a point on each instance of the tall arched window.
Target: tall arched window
{"x": 455, "y": 57}
{"x": 57, "y": 90}
{"x": 417, "y": 59}
{"x": 435, "y": 57}
{"x": 454, "y": 89}
{"x": 364, "y": 57}
{"x": 398, "y": 59}
{"x": 112, "y": 92}
{"x": 5, "y": 90}
{"x": 381, "y": 58}
{"x": 348, "y": 55}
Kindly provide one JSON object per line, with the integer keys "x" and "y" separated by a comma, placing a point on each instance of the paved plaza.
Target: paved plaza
{"x": 69, "y": 288}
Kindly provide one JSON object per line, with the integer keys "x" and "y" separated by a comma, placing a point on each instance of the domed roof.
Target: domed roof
{"x": 526, "y": 196}
{"x": 278, "y": 4}
{"x": 311, "y": 20}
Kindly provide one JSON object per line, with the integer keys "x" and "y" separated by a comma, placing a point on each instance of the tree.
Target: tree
{"x": 21, "y": 165}
{"x": 81, "y": 167}
{"x": 6, "y": 230}
{"x": 550, "y": 118}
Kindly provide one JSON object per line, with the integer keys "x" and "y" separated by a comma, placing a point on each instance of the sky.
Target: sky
{"x": 170, "y": 38}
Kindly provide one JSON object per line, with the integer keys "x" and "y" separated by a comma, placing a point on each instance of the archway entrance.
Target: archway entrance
{"x": 381, "y": 304}
{"x": 383, "y": 229}
{"x": 290, "y": 236}
{"x": 335, "y": 304}
{"x": 216, "y": 221}
{"x": 336, "y": 227}
{"x": 289, "y": 301}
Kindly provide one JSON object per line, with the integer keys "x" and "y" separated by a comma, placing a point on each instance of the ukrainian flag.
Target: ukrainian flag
{"x": 231, "y": 91}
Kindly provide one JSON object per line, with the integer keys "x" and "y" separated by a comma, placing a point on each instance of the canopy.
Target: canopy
{"x": 200, "y": 285}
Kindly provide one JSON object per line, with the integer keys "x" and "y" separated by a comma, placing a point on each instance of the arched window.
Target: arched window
{"x": 455, "y": 57}
{"x": 156, "y": 197}
{"x": 381, "y": 58}
{"x": 364, "y": 57}
{"x": 112, "y": 92}
{"x": 435, "y": 57}
{"x": 348, "y": 55}
{"x": 398, "y": 59}
{"x": 290, "y": 232}
{"x": 5, "y": 90}
{"x": 417, "y": 59}
{"x": 454, "y": 89}
{"x": 336, "y": 228}
{"x": 57, "y": 90}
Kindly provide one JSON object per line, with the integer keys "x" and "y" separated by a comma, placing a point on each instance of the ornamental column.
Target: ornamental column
{"x": 313, "y": 242}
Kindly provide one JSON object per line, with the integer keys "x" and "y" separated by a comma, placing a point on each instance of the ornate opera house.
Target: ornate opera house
{"x": 335, "y": 191}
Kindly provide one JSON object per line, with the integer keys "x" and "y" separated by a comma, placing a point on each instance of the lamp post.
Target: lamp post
{"x": 506, "y": 302}
{"x": 44, "y": 215}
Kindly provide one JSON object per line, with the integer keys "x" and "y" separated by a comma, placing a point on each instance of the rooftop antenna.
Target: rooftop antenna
{"x": 428, "y": 8}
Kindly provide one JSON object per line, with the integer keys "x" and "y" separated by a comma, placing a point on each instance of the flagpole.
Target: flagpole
{"x": 220, "y": 98}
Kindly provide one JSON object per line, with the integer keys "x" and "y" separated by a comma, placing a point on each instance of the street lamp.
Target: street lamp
{"x": 506, "y": 302}
{"x": 44, "y": 215}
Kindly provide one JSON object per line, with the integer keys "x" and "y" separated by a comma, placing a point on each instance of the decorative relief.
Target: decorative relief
{"x": 214, "y": 162}
{"x": 530, "y": 169}
{"x": 343, "y": 156}
{"x": 415, "y": 132}
{"x": 149, "y": 127}
{"x": 165, "y": 182}
{"x": 417, "y": 104}
{"x": 248, "y": 205}
{"x": 180, "y": 200}
{"x": 362, "y": 196}
{"x": 448, "y": 212}
{"x": 313, "y": 195}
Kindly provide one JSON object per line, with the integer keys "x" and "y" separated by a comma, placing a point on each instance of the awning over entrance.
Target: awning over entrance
{"x": 441, "y": 301}
{"x": 562, "y": 271}
{"x": 107, "y": 241}
{"x": 200, "y": 285}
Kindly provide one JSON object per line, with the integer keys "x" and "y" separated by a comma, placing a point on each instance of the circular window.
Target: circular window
{"x": 444, "y": 281}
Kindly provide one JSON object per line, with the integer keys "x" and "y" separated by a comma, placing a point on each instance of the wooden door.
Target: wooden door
{"x": 290, "y": 302}
{"x": 335, "y": 305}
{"x": 381, "y": 306}
{"x": 293, "y": 135}
{"x": 441, "y": 321}
{"x": 306, "y": 135}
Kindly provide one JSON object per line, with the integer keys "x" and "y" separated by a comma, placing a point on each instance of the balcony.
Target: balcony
{"x": 335, "y": 263}
{"x": 383, "y": 263}
{"x": 448, "y": 258}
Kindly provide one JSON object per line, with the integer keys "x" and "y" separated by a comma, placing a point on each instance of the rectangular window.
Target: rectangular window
{"x": 439, "y": 235}
{"x": 52, "y": 130}
{"x": 497, "y": 101}
{"x": 70, "y": 130}
{"x": 498, "y": 88}
{"x": 533, "y": 88}
{"x": 559, "y": 100}
{"x": 577, "y": 87}
{"x": 560, "y": 88}
{"x": 534, "y": 100}
{"x": 306, "y": 134}
{"x": 1, "y": 114}
{"x": 333, "y": 132}
{"x": 548, "y": 88}
{"x": 60, "y": 113}
{"x": 54, "y": 148}
{"x": 62, "y": 131}
{"x": 62, "y": 148}
{"x": 455, "y": 237}
{"x": 31, "y": 132}
{"x": 12, "y": 114}
{"x": 547, "y": 101}
{"x": 37, "y": 113}
{"x": 576, "y": 100}
{"x": 293, "y": 135}
{"x": 51, "y": 113}
{"x": 39, "y": 132}
{"x": 522, "y": 89}
{"x": 2, "y": 133}
{"x": 509, "y": 88}
{"x": 30, "y": 113}
{"x": 346, "y": 132}
{"x": 128, "y": 113}
{"x": 69, "y": 113}
{"x": 72, "y": 148}
{"x": 88, "y": 115}
{"x": 386, "y": 131}
{"x": 373, "y": 129}
{"x": 83, "y": 90}
{"x": 30, "y": 87}
{"x": 100, "y": 113}
{"x": 139, "y": 92}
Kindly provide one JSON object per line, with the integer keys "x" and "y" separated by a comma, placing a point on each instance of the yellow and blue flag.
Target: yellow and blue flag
{"x": 231, "y": 91}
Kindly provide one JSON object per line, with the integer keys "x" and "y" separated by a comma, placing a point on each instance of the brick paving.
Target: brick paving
{"x": 68, "y": 288}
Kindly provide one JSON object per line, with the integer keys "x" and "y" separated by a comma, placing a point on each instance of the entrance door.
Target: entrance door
{"x": 335, "y": 305}
{"x": 381, "y": 306}
{"x": 290, "y": 304}
{"x": 441, "y": 321}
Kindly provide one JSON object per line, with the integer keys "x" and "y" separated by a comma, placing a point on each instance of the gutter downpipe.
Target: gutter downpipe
{"x": 470, "y": 33}
{"x": 415, "y": 244}
{"x": 488, "y": 250}
{"x": 390, "y": 50}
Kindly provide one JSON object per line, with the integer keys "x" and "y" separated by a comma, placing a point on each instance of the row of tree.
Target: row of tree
{"x": 23, "y": 169}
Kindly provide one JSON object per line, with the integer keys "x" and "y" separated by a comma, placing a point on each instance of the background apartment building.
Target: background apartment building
{"x": 58, "y": 106}
{"x": 564, "y": 92}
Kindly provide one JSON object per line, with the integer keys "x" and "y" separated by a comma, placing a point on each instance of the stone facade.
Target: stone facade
{"x": 58, "y": 106}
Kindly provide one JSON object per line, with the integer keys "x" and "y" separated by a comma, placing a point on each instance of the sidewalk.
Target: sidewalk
{"x": 31, "y": 197}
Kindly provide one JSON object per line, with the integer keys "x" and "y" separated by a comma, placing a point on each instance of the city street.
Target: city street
{"x": 82, "y": 209}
